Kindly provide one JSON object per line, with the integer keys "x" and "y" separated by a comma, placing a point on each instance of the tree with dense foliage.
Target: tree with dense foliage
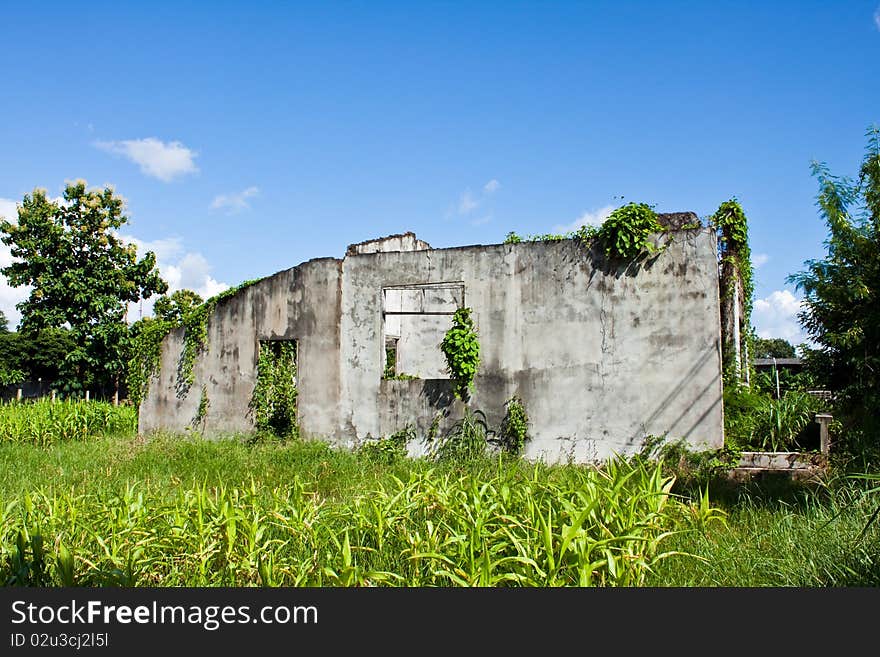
{"x": 774, "y": 348}
{"x": 174, "y": 307}
{"x": 4, "y": 323}
{"x": 842, "y": 291}
{"x": 82, "y": 275}
{"x": 39, "y": 355}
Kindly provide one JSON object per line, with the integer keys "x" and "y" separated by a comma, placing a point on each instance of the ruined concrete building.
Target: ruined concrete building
{"x": 601, "y": 353}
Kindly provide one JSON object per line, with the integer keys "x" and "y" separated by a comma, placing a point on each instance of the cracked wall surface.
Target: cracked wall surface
{"x": 601, "y": 353}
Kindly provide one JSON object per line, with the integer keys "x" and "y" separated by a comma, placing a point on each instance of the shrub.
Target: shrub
{"x": 514, "y": 427}
{"x": 627, "y": 231}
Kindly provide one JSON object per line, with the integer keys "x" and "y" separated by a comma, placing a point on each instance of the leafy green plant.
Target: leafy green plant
{"x": 628, "y": 231}
{"x": 780, "y": 422}
{"x": 466, "y": 440}
{"x": 756, "y": 421}
{"x": 389, "y": 449}
{"x": 10, "y": 376}
{"x": 461, "y": 347}
{"x": 514, "y": 430}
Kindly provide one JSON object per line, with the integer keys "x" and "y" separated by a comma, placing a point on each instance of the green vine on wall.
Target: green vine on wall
{"x": 146, "y": 351}
{"x": 626, "y": 233}
{"x": 201, "y": 415}
{"x": 195, "y": 335}
{"x": 146, "y": 346}
{"x": 736, "y": 261}
{"x": 273, "y": 402}
{"x": 461, "y": 347}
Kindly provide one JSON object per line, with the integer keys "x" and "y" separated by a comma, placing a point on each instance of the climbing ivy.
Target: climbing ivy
{"x": 273, "y": 402}
{"x": 198, "y": 421}
{"x": 147, "y": 335}
{"x": 627, "y": 231}
{"x": 145, "y": 356}
{"x": 735, "y": 256}
{"x": 461, "y": 347}
{"x": 195, "y": 335}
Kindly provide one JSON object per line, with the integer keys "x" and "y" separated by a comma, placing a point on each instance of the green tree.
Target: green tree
{"x": 82, "y": 274}
{"x": 173, "y": 308}
{"x": 4, "y": 323}
{"x": 774, "y": 348}
{"x": 841, "y": 305}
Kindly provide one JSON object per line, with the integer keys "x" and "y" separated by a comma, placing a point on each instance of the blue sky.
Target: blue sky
{"x": 249, "y": 137}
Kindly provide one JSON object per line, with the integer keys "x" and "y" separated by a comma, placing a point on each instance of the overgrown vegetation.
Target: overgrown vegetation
{"x": 737, "y": 288}
{"x": 626, "y": 234}
{"x": 754, "y": 420}
{"x": 183, "y": 308}
{"x": 46, "y": 422}
{"x": 491, "y": 524}
{"x": 514, "y": 430}
{"x": 461, "y": 347}
{"x": 466, "y": 441}
{"x": 175, "y": 512}
{"x": 390, "y": 449}
{"x": 273, "y": 402}
{"x": 145, "y": 359}
{"x": 628, "y": 231}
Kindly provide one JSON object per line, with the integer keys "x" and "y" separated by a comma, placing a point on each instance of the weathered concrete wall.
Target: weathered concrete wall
{"x": 601, "y": 355}
{"x": 300, "y": 303}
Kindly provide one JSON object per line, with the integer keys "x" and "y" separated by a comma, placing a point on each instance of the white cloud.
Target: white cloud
{"x": 482, "y": 220}
{"x": 158, "y": 159}
{"x": 165, "y": 249}
{"x": 9, "y": 296}
{"x": 877, "y": 18}
{"x": 775, "y": 316}
{"x": 467, "y": 203}
{"x": 594, "y": 218}
{"x": 233, "y": 203}
{"x": 760, "y": 259}
{"x": 8, "y": 209}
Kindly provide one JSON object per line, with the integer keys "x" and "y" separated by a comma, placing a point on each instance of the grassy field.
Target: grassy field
{"x": 172, "y": 511}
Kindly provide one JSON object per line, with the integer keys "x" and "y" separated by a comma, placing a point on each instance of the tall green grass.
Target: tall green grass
{"x": 818, "y": 538}
{"x": 514, "y": 526}
{"x": 171, "y": 511}
{"x": 46, "y": 422}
